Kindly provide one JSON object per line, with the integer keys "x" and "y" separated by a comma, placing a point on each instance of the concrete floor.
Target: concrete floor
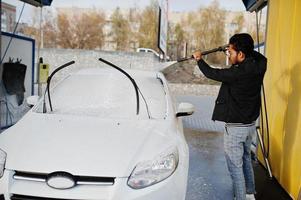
{"x": 208, "y": 175}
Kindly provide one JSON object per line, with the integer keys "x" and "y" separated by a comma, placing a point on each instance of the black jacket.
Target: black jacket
{"x": 239, "y": 97}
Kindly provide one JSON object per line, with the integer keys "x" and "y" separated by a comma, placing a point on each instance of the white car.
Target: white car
{"x": 147, "y": 50}
{"x": 96, "y": 144}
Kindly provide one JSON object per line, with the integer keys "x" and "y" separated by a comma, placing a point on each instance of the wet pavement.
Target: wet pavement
{"x": 208, "y": 175}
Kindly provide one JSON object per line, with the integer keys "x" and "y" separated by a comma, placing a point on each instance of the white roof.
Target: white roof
{"x": 108, "y": 93}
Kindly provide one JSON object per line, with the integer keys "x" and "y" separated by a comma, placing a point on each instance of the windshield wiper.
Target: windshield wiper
{"x": 48, "y": 85}
{"x": 133, "y": 82}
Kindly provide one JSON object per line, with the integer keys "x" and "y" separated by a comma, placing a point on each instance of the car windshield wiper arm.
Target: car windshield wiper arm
{"x": 129, "y": 77}
{"x": 48, "y": 85}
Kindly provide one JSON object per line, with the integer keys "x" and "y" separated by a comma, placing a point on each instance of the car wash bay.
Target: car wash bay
{"x": 208, "y": 175}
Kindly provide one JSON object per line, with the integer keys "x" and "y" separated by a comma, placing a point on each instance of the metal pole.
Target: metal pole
{"x": 39, "y": 48}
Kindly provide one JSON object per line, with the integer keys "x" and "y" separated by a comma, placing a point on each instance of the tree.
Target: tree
{"x": 90, "y": 30}
{"x": 120, "y": 30}
{"x": 75, "y": 31}
{"x": 49, "y": 38}
{"x": 133, "y": 19}
{"x": 261, "y": 33}
{"x": 179, "y": 38}
{"x": 206, "y": 30}
{"x": 189, "y": 23}
{"x": 83, "y": 31}
{"x": 65, "y": 35}
{"x": 211, "y": 31}
{"x": 239, "y": 20}
{"x": 148, "y": 27}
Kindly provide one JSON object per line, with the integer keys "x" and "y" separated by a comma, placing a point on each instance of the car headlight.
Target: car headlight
{"x": 2, "y": 162}
{"x": 151, "y": 172}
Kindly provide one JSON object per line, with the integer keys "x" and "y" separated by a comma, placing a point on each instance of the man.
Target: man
{"x": 238, "y": 105}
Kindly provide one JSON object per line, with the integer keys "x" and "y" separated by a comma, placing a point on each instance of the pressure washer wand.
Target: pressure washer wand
{"x": 221, "y": 48}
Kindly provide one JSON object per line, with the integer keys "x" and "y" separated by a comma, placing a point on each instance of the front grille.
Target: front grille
{"x": 80, "y": 180}
{"x": 23, "y": 197}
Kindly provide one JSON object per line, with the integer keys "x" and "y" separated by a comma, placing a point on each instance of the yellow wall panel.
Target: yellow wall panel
{"x": 283, "y": 92}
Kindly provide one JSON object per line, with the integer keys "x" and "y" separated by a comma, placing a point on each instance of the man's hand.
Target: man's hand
{"x": 197, "y": 55}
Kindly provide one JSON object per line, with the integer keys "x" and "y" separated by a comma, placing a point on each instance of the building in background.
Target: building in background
{"x": 8, "y": 17}
{"x": 235, "y": 21}
{"x": 176, "y": 48}
{"x": 109, "y": 43}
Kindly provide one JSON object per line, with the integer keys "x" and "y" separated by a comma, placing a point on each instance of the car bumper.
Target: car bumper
{"x": 174, "y": 187}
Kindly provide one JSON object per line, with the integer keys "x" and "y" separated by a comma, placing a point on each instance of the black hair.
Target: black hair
{"x": 242, "y": 42}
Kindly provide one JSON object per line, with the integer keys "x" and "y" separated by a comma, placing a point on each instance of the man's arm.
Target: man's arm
{"x": 221, "y": 75}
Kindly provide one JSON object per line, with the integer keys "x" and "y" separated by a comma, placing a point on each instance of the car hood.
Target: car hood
{"x": 45, "y": 143}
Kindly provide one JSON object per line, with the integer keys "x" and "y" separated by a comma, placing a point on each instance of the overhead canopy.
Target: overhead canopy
{"x": 253, "y": 5}
{"x": 38, "y": 3}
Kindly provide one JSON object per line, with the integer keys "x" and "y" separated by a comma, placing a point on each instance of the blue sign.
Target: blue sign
{"x": 39, "y": 3}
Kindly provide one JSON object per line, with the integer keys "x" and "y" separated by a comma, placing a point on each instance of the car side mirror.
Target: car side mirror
{"x": 185, "y": 109}
{"x": 32, "y": 100}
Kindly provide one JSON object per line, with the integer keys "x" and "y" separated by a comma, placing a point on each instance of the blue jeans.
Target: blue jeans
{"x": 237, "y": 146}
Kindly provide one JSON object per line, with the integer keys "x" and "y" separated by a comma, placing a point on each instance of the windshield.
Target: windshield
{"x": 108, "y": 94}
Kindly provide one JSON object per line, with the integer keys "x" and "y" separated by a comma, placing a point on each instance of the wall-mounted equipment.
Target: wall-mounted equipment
{"x": 43, "y": 72}
{"x": 16, "y": 77}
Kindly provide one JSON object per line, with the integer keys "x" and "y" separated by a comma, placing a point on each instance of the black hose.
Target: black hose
{"x": 267, "y": 123}
{"x": 129, "y": 77}
{"x": 48, "y": 85}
